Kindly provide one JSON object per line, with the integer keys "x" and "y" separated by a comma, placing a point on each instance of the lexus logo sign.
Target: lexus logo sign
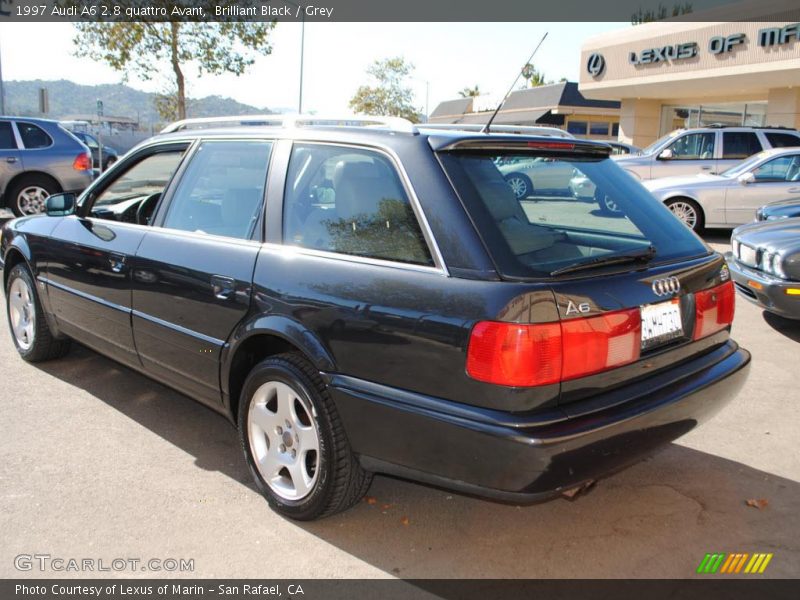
{"x": 666, "y": 287}
{"x": 596, "y": 64}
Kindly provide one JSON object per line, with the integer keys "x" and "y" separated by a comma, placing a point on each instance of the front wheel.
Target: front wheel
{"x": 688, "y": 211}
{"x": 29, "y": 329}
{"x": 608, "y": 206}
{"x": 294, "y": 442}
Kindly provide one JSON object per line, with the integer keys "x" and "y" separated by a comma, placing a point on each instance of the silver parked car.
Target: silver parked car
{"x": 732, "y": 197}
{"x": 38, "y": 158}
{"x": 706, "y": 149}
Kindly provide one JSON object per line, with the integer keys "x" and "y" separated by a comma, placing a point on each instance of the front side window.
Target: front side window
{"x": 783, "y": 168}
{"x": 350, "y": 201}
{"x": 541, "y": 234}
{"x": 7, "y": 141}
{"x": 145, "y": 181}
{"x": 739, "y": 144}
{"x": 222, "y": 190}
{"x": 693, "y": 146}
{"x": 33, "y": 136}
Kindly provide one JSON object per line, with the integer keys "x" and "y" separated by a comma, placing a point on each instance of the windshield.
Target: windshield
{"x": 743, "y": 166}
{"x": 550, "y": 216}
{"x": 660, "y": 142}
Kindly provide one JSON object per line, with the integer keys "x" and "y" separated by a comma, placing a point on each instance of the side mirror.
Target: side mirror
{"x": 665, "y": 154}
{"x": 60, "y": 205}
{"x": 746, "y": 178}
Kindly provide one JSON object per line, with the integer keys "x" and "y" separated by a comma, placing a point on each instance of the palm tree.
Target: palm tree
{"x": 470, "y": 92}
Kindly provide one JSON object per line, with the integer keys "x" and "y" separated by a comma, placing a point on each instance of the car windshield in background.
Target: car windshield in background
{"x": 561, "y": 223}
{"x": 659, "y": 142}
{"x": 743, "y": 166}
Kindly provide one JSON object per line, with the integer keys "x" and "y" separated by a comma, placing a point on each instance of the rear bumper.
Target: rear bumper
{"x": 762, "y": 289}
{"x": 526, "y": 458}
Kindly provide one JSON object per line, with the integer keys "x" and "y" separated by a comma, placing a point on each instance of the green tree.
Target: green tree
{"x": 388, "y": 93}
{"x": 470, "y": 92}
{"x": 660, "y": 13}
{"x": 533, "y": 77}
{"x": 148, "y": 48}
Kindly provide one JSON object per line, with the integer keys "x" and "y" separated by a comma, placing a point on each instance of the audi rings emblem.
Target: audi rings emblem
{"x": 596, "y": 64}
{"x": 666, "y": 287}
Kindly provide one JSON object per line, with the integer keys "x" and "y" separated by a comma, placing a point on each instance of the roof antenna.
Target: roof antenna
{"x": 511, "y": 89}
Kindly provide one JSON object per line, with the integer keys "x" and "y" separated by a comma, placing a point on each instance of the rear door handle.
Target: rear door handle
{"x": 223, "y": 287}
{"x": 705, "y": 168}
{"x": 794, "y": 190}
{"x": 11, "y": 159}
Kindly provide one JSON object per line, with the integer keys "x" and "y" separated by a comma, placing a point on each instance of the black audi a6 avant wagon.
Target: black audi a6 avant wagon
{"x": 368, "y": 296}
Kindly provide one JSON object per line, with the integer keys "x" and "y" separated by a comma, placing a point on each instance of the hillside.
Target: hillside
{"x": 69, "y": 98}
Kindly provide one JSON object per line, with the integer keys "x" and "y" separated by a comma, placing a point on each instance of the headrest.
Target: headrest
{"x": 360, "y": 187}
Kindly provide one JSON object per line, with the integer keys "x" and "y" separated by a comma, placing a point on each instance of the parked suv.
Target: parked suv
{"x": 707, "y": 149}
{"x": 39, "y": 158}
{"x": 374, "y": 298}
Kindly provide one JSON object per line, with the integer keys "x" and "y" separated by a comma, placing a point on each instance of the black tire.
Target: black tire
{"x": 525, "y": 187}
{"x": 341, "y": 481}
{"x": 15, "y": 200}
{"x": 680, "y": 206}
{"x": 44, "y": 345}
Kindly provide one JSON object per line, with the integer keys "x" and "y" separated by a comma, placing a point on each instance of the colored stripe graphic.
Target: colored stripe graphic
{"x": 720, "y": 562}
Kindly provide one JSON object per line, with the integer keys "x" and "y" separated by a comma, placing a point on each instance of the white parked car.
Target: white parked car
{"x": 731, "y": 198}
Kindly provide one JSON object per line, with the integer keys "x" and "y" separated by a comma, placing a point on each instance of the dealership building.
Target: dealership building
{"x": 742, "y": 69}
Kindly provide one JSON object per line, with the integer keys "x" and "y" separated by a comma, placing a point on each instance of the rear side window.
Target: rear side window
{"x": 7, "y": 141}
{"x": 33, "y": 136}
{"x": 693, "y": 146}
{"x": 782, "y": 140}
{"x": 589, "y": 209}
{"x": 350, "y": 201}
{"x": 222, "y": 190}
{"x": 739, "y": 144}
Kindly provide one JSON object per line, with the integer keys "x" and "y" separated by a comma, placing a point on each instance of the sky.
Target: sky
{"x": 447, "y": 57}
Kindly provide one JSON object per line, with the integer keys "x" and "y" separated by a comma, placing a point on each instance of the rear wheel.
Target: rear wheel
{"x": 29, "y": 194}
{"x": 520, "y": 184}
{"x": 688, "y": 211}
{"x": 29, "y": 330}
{"x": 294, "y": 441}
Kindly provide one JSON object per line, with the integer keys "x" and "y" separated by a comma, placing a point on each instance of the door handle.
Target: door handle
{"x": 705, "y": 168}
{"x": 223, "y": 287}
{"x": 11, "y": 159}
{"x": 117, "y": 262}
{"x": 794, "y": 190}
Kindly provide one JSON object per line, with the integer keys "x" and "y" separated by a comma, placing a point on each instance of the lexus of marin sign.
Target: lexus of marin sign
{"x": 767, "y": 38}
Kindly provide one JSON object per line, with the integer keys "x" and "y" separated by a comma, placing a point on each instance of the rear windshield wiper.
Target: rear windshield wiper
{"x": 640, "y": 255}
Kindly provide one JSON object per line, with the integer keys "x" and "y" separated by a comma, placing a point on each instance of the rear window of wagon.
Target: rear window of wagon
{"x": 539, "y": 214}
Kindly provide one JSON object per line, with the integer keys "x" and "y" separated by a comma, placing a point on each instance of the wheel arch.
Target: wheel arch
{"x": 14, "y": 181}
{"x": 19, "y": 252}
{"x": 260, "y": 338}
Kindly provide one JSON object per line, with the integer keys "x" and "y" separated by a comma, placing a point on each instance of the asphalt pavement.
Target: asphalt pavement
{"x": 99, "y": 462}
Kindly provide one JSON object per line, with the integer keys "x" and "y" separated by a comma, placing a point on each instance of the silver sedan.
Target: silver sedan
{"x": 731, "y": 198}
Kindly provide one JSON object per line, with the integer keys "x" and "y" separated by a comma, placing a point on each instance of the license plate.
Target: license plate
{"x": 661, "y": 323}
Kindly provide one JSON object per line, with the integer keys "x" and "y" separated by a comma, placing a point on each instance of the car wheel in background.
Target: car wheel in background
{"x": 520, "y": 184}
{"x": 29, "y": 329}
{"x": 294, "y": 441}
{"x": 607, "y": 205}
{"x": 110, "y": 161}
{"x": 29, "y": 194}
{"x": 688, "y": 211}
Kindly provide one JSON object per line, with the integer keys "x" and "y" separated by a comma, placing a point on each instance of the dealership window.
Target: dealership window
{"x": 577, "y": 127}
{"x": 598, "y": 128}
{"x": 739, "y": 144}
{"x": 693, "y": 146}
{"x": 783, "y": 140}
{"x": 615, "y": 129}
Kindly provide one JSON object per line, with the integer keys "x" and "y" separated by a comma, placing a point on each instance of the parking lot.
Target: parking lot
{"x": 100, "y": 462}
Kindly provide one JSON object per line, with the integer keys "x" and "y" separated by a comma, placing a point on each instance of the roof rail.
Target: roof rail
{"x": 521, "y": 129}
{"x": 288, "y": 121}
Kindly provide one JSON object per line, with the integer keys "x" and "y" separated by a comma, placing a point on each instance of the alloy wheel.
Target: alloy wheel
{"x": 685, "y": 212}
{"x": 22, "y": 313}
{"x": 284, "y": 440}
{"x": 519, "y": 186}
{"x": 31, "y": 200}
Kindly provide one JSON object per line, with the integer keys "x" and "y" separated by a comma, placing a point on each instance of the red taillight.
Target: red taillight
{"x": 552, "y": 145}
{"x": 522, "y": 355}
{"x": 599, "y": 343}
{"x": 514, "y": 354}
{"x": 82, "y": 162}
{"x": 714, "y": 309}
